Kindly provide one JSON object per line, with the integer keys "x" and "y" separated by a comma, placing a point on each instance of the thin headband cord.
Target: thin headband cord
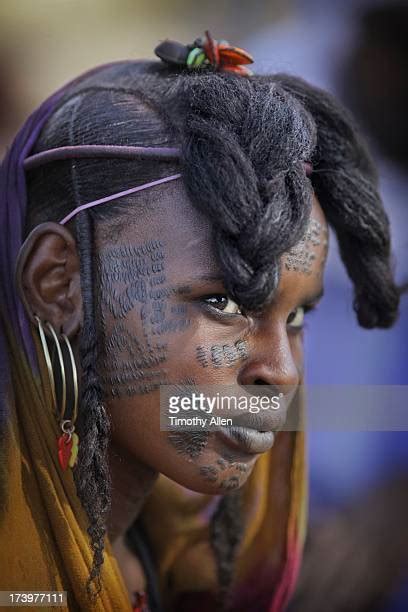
{"x": 118, "y": 195}
{"x": 105, "y": 151}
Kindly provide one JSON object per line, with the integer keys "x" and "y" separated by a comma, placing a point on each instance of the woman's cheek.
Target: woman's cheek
{"x": 212, "y": 350}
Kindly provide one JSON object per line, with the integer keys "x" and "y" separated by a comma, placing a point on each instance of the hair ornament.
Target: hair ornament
{"x": 203, "y": 52}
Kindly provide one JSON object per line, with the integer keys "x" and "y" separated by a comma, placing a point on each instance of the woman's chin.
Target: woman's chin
{"x": 211, "y": 476}
{"x": 219, "y": 487}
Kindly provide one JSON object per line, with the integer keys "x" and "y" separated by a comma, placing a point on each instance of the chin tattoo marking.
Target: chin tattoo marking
{"x": 209, "y": 473}
{"x": 302, "y": 256}
{"x": 230, "y": 483}
{"x": 223, "y": 466}
{"x": 190, "y": 443}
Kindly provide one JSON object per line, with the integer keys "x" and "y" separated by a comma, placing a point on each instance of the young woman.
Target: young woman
{"x": 168, "y": 224}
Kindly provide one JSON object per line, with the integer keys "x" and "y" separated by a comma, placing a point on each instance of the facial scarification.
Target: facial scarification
{"x": 226, "y": 471}
{"x": 219, "y": 355}
{"x": 302, "y": 256}
{"x": 189, "y": 443}
{"x": 133, "y": 279}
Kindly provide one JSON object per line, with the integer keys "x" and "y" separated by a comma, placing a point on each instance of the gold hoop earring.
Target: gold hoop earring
{"x": 74, "y": 378}
{"x": 62, "y": 370}
{"x": 68, "y": 442}
{"x": 47, "y": 358}
{"x": 70, "y": 438}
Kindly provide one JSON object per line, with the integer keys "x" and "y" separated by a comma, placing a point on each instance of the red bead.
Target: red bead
{"x": 64, "y": 450}
{"x": 141, "y": 602}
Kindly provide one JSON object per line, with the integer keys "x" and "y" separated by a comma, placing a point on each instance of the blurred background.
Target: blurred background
{"x": 356, "y": 556}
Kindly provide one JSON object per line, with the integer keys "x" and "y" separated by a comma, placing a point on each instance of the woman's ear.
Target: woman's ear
{"x": 48, "y": 278}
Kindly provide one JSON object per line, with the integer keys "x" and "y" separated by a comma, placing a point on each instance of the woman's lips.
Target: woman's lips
{"x": 254, "y": 433}
{"x": 246, "y": 439}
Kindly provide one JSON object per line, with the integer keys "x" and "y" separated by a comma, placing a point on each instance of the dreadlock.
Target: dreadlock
{"x": 91, "y": 475}
{"x": 346, "y": 183}
{"x": 226, "y": 529}
{"x": 244, "y": 142}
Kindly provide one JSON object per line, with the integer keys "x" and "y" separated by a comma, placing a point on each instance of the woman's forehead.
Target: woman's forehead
{"x": 187, "y": 235}
{"x": 169, "y": 217}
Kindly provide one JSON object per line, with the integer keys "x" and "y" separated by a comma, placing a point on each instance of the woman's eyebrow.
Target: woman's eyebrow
{"x": 186, "y": 286}
{"x": 209, "y": 277}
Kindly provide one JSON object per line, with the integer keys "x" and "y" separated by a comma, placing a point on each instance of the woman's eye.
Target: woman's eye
{"x": 296, "y": 318}
{"x": 223, "y": 303}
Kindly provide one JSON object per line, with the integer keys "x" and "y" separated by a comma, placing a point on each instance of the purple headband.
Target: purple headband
{"x": 123, "y": 152}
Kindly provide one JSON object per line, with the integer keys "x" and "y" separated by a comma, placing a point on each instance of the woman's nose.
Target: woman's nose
{"x": 270, "y": 362}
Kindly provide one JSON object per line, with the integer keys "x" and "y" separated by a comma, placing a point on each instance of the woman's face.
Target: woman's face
{"x": 164, "y": 318}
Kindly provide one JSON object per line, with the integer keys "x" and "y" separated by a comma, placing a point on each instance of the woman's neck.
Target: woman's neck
{"x": 131, "y": 484}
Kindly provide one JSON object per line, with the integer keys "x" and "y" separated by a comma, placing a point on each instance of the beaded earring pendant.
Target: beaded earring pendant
{"x": 68, "y": 450}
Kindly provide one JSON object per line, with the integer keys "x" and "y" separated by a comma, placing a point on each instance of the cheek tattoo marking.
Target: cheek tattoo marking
{"x": 134, "y": 363}
{"x": 201, "y": 357}
{"x": 222, "y": 354}
{"x": 129, "y": 266}
{"x": 133, "y": 283}
{"x": 300, "y": 258}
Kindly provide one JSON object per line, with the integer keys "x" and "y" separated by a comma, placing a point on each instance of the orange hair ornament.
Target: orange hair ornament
{"x": 204, "y": 52}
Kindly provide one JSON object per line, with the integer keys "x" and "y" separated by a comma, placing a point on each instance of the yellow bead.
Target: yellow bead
{"x": 74, "y": 450}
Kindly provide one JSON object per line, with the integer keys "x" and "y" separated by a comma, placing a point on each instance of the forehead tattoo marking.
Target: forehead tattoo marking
{"x": 300, "y": 258}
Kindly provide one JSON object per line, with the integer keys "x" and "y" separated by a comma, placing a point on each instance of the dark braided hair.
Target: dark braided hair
{"x": 92, "y": 478}
{"x": 243, "y": 140}
{"x": 226, "y": 529}
{"x": 244, "y": 143}
{"x": 345, "y": 181}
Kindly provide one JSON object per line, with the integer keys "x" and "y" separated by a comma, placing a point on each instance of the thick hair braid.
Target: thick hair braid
{"x": 244, "y": 140}
{"x": 226, "y": 529}
{"x": 345, "y": 181}
{"x": 91, "y": 473}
